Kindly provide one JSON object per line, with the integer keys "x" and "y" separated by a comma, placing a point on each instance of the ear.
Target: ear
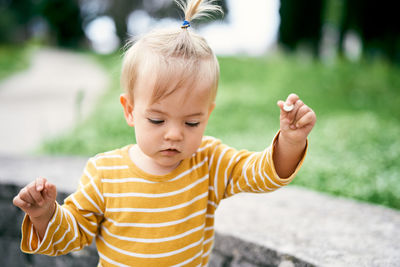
{"x": 128, "y": 109}
{"x": 211, "y": 108}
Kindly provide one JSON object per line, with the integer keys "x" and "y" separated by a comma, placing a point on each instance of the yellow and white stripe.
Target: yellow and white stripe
{"x": 138, "y": 219}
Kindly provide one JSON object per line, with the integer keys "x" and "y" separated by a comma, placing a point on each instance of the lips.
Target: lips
{"x": 170, "y": 152}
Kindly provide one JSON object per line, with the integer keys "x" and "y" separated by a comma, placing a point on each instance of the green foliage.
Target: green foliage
{"x": 13, "y": 59}
{"x": 14, "y": 19}
{"x": 65, "y": 21}
{"x": 354, "y": 148}
{"x": 355, "y": 155}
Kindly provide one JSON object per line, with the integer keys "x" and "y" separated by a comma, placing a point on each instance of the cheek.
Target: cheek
{"x": 195, "y": 139}
{"x": 145, "y": 137}
{"x": 146, "y": 143}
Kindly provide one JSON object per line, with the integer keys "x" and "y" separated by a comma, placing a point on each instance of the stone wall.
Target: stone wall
{"x": 10, "y": 237}
{"x": 235, "y": 252}
{"x": 228, "y": 251}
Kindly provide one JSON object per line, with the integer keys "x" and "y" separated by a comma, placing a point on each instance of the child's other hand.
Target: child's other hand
{"x": 37, "y": 199}
{"x": 297, "y": 123}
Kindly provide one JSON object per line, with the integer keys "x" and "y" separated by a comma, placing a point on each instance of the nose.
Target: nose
{"x": 174, "y": 133}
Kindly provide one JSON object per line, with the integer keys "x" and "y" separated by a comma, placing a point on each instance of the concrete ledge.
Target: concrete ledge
{"x": 290, "y": 227}
{"x": 316, "y": 228}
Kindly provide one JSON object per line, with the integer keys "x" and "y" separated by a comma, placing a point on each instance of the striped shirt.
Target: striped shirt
{"x": 138, "y": 219}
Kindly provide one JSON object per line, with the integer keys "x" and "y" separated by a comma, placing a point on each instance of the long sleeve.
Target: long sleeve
{"x": 233, "y": 171}
{"x": 140, "y": 219}
{"x": 73, "y": 224}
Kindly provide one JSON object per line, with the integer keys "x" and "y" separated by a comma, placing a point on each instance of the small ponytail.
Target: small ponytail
{"x": 194, "y": 9}
{"x": 174, "y": 59}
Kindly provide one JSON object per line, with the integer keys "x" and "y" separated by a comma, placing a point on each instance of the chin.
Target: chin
{"x": 168, "y": 163}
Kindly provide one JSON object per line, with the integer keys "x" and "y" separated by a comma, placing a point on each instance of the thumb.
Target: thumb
{"x": 283, "y": 115}
{"x": 280, "y": 104}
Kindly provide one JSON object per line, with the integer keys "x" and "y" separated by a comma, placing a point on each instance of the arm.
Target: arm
{"x": 65, "y": 228}
{"x": 233, "y": 171}
{"x": 37, "y": 200}
{"x": 295, "y": 126}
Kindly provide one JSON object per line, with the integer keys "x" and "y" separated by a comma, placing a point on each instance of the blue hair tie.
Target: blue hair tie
{"x": 185, "y": 24}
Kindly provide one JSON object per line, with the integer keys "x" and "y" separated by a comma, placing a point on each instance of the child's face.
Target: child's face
{"x": 169, "y": 130}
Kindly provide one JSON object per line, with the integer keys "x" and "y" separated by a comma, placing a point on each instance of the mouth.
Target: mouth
{"x": 170, "y": 152}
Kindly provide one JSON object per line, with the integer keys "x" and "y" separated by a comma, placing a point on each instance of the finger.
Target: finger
{"x": 302, "y": 110}
{"x": 285, "y": 108}
{"x": 292, "y": 115}
{"x": 288, "y": 105}
{"x": 284, "y": 121}
{"x": 18, "y": 202}
{"x": 36, "y": 195}
{"x": 280, "y": 104}
{"x": 25, "y": 196}
{"x": 40, "y": 182}
{"x": 50, "y": 191}
{"x": 307, "y": 119}
{"x": 291, "y": 99}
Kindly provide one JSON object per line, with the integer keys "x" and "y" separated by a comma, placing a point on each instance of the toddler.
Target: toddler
{"x": 153, "y": 203}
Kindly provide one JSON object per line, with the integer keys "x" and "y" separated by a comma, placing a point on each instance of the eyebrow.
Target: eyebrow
{"x": 152, "y": 110}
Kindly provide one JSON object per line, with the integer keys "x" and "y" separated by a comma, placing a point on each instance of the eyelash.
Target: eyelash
{"x": 158, "y": 122}
{"x": 192, "y": 124}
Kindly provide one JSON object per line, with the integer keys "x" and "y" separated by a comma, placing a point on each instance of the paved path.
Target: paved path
{"x": 42, "y": 101}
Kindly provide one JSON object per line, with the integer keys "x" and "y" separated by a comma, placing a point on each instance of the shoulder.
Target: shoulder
{"x": 208, "y": 143}
{"x": 211, "y": 147}
{"x": 110, "y": 158}
{"x": 215, "y": 149}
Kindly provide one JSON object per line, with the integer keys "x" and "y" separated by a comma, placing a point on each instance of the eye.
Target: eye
{"x": 155, "y": 121}
{"x": 192, "y": 124}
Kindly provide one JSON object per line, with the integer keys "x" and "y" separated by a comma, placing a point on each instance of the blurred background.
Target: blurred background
{"x": 341, "y": 57}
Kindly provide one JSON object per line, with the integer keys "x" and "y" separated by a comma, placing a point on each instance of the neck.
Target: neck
{"x": 147, "y": 164}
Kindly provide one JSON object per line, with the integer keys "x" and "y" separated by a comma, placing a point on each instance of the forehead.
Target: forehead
{"x": 178, "y": 77}
{"x": 187, "y": 95}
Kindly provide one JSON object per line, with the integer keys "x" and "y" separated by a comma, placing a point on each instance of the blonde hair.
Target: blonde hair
{"x": 174, "y": 58}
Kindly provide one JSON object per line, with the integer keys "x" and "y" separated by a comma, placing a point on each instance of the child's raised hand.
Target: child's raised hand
{"x": 37, "y": 199}
{"x": 298, "y": 122}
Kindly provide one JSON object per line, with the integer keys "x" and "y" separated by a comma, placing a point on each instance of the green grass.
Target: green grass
{"x": 13, "y": 59}
{"x": 354, "y": 147}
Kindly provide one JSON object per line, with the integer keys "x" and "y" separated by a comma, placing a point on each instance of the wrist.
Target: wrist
{"x": 287, "y": 155}
{"x": 41, "y": 222}
{"x": 289, "y": 142}
{"x": 46, "y": 216}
